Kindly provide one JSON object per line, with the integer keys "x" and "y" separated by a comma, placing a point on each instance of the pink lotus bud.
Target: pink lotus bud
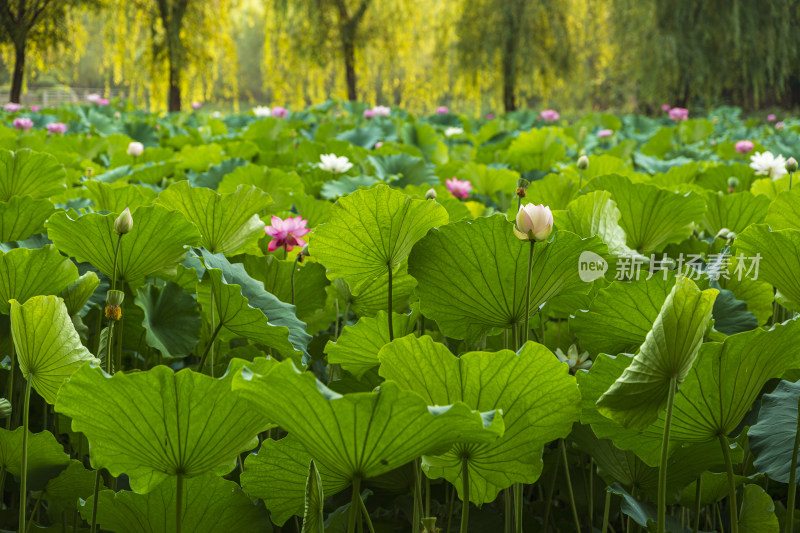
{"x": 459, "y": 188}
{"x": 490, "y": 116}
{"x": 605, "y": 133}
{"x": 23, "y": 123}
{"x": 57, "y": 127}
{"x": 779, "y": 125}
{"x": 771, "y": 117}
{"x": 666, "y": 107}
{"x": 103, "y": 101}
{"x": 280, "y": 112}
{"x": 196, "y": 105}
{"x": 369, "y": 113}
{"x": 442, "y": 110}
{"x": 744, "y": 147}
{"x": 35, "y": 108}
{"x": 378, "y": 144}
{"x": 535, "y": 222}
{"x": 12, "y": 107}
{"x": 678, "y": 114}
{"x": 549, "y": 115}
{"x": 135, "y": 149}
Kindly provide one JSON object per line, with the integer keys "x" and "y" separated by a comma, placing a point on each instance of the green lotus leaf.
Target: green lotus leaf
{"x": 279, "y": 184}
{"x": 156, "y": 424}
{"x": 425, "y": 137}
{"x": 63, "y": 493}
{"x": 361, "y": 435}
{"x": 643, "y": 513}
{"x": 25, "y": 273}
{"x": 472, "y": 274}
{"x": 772, "y": 438}
{"x": 276, "y": 275}
{"x": 733, "y": 211}
{"x": 21, "y": 217}
{"x": 46, "y": 457}
{"x": 490, "y": 182}
{"x": 356, "y": 349}
{"x": 313, "y": 519}
{"x": 668, "y": 351}
{"x": 412, "y": 170}
{"x": 371, "y": 231}
{"x": 49, "y": 350}
{"x": 77, "y": 294}
{"x": 171, "y": 319}
{"x": 159, "y": 240}
{"x": 537, "y": 149}
{"x": 210, "y": 505}
{"x": 554, "y": 190}
{"x": 695, "y": 130}
{"x": 776, "y": 254}
{"x": 115, "y": 197}
{"x": 757, "y": 513}
{"x": 784, "y": 211}
{"x": 730, "y": 314}
{"x": 371, "y": 297}
{"x": 228, "y": 223}
{"x": 593, "y": 214}
{"x": 522, "y": 385}
{"x": 29, "y": 173}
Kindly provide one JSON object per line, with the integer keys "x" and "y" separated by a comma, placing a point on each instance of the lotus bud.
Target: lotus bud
{"x": 124, "y": 222}
{"x": 732, "y": 184}
{"x": 5, "y": 408}
{"x": 534, "y": 222}
{"x": 726, "y": 234}
{"x": 303, "y": 254}
{"x": 583, "y": 162}
{"x": 522, "y": 187}
{"x": 135, "y": 149}
{"x": 114, "y": 300}
{"x": 791, "y": 164}
{"x": 431, "y": 194}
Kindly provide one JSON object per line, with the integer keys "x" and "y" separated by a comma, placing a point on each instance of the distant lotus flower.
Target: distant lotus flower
{"x": 23, "y": 123}
{"x": 779, "y": 125}
{"x": 605, "y": 133}
{"x": 442, "y": 110}
{"x": 103, "y": 101}
{"x": 135, "y": 149}
{"x": 216, "y": 114}
{"x": 678, "y": 114}
{"x": 449, "y": 132}
{"x": 378, "y": 144}
{"x": 666, "y": 107}
{"x": 11, "y": 107}
{"x": 576, "y": 361}
{"x": 490, "y": 116}
{"x": 766, "y": 164}
{"x": 334, "y": 163}
{"x": 286, "y": 233}
{"x": 197, "y": 105}
{"x": 35, "y": 108}
{"x": 369, "y": 113}
{"x": 117, "y": 114}
{"x": 381, "y": 111}
{"x": 57, "y": 127}
{"x": 93, "y": 98}
{"x": 549, "y": 115}
{"x": 534, "y": 222}
{"x": 262, "y": 111}
{"x": 459, "y": 188}
{"x": 280, "y": 112}
{"x": 744, "y": 147}
{"x": 771, "y": 117}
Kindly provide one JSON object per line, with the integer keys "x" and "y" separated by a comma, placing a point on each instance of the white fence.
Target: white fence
{"x": 63, "y": 95}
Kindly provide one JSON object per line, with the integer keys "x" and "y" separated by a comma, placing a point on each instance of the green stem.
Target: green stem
{"x": 526, "y": 332}
{"x": 415, "y": 520}
{"x": 427, "y": 496}
{"x": 35, "y": 511}
{"x": 94, "y": 501}
{"x": 114, "y": 270}
{"x": 294, "y": 268}
{"x": 550, "y": 490}
{"x": 464, "y": 493}
{"x": 569, "y": 486}
{"x": 662, "y": 472}
{"x": 508, "y": 512}
{"x": 518, "y": 507}
{"x": 179, "y": 504}
{"x": 23, "y": 489}
{"x": 697, "y": 495}
{"x": 591, "y": 493}
{"x": 10, "y": 389}
{"x": 366, "y": 515}
{"x": 208, "y": 348}
{"x": 726, "y": 452}
{"x": 109, "y": 342}
{"x": 389, "y": 310}
{"x": 450, "y": 508}
{"x": 355, "y": 508}
{"x": 606, "y": 511}
{"x": 792, "y": 479}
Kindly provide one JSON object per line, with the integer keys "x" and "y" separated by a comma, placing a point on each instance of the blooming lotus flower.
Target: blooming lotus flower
{"x": 280, "y": 112}
{"x": 605, "y": 133}
{"x": 23, "y": 123}
{"x": 286, "y": 233}
{"x": 57, "y": 127}
{"x": 766, "y": 164}
{"x": 744, "y": 147}
{"x": 35, "y": 108}
{"x": 459, "y": 188}
{"x": 449, "y": 132}
{"x": 369, "y": 113}
{"x": 334, "y": 163}
{"x": 262, "y": 111}
{"x": 534, "y": 222}
{"x": 216, "y": 114}
{"x": 576, "y": 361}
{"x": 135, "y": 149}
{"x": 103, "y": 101}
{"x": 678, "y": 114}
{"x": 779, "y": 125}
{"x": 12, "y": 107}
{"x": 666, "y": 107}
{"x": 381, "y": 111}
{"x": 197, "y": 105}
{"x": 93, "y": 98}
{"x": 771, "y": 117}
{"x": 490, "y": 116}
{"x": 442, "y": 110}
{"x": 549, "y": 115}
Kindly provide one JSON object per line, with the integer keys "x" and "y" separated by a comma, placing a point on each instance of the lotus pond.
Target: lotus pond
{"x": 328, "y": 320}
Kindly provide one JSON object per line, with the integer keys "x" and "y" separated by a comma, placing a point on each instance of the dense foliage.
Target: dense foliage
{"x": 339, "y": 318}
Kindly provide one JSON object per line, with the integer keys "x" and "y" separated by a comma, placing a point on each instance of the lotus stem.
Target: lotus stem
{"x": 355, "y": 508}
{"x": 508, "y": 511}
{"x": 606, "y": 511}
{"x": 662, "y": 472}
{"x": 211, "y": 346}
{"x": 416, "y": 518}
{"x": 550, "y": 490}
{"x": 450, "y": 508}
{"x": 294, "y": 269}
{"x": 10, "y": 395}
{"x": 95, "y": 493}
{"x": 518, "y": 507}
{"x": 464, "y": 493}
{"x": 179, "y": 503}
{"x": 526, "y": 333}
{"x": 109, "y": 342}
{"x": 366, "y": 515}
{"x": 591, "y": 493}
{"x": 569, "y": 486}
{"x": 726, "y": 452}
{"x": 697, "y": 496}
{"x": 208, "y": 347}
{"x": 389, "y": 311}
{"x": 23, "y": 489}
{"x": 792, "y": 478}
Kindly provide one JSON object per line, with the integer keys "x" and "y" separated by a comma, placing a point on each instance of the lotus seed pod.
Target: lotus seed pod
{"x": 583, "y": 162}
{"x": 124, "y": 222}
{"x": 115, "y": 297}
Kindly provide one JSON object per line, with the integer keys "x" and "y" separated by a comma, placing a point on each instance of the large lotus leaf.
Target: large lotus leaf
{"x": 49, "y": 350}
{"x": 411, "y": 170}
{"x": 76, "y": 295}
{"x": 356, "y": 349}
{"x": 784, "y": 211}
{"x": 758, "y": 294}
{"x": 731, "y": 315}
{"x": 313, "y": 517}
{"x": 153, "y": 425}
{"x": 361, "y": 434}
{"x": 472, "y": 275}
{"x": 651, "y": 217}
{"x": 621, "y": 314}
{"x": 63, "y": 493}
{"x": 554, "y": 190}
{"x": 21, "y": 217}
{"x": 757, "y": 513}
{"x": 594, "y": 214}
{"x": 280, "y": 185}
{"x": 210, "y": 505}
{"x": 334, "y": 189}
{"x": 733, "y": 211}
{"x": 277, "y": 475}
{"x": 371, "y": 297}
{"x": 668, "y": 351}
{"x": 28, "y": 173}
{"x": 227, "y": 222}
{"x": 46, "y": 457}
{"x": 521, "y": 385}
{"x": 25, "y": 273}
{"x": 537, "y": 149}
{"x": 644, "y": 513}
{"x": 776, "y": 255}
{"x": 171, "y": 319}
{"x": 371, "y": 231}
{"x": 490, "y": 182}
{"x": 772, "y": 438}
{"x": 425, "y": 137}
{"x": 276, "y": 275}
{"x": 244, "y": 308}
{"x": 115, "y": 197}
{"x": 158, "y": 240}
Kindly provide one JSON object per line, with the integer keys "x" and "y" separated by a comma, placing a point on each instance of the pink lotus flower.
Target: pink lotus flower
{"x": 678, "y": 114}
{"x": 369, "y": 113}
{"x": 549, "y": 115}
{"x": 23, "y": 123}
{"x": 11, "y": 107}
{"x": 286, "y": 233}
{"x": 666, "y": 107}
{"x": 280, "y": 112}
{"x": 459, "y": 188}
{"x": 490, "y": 116}
{"x": 534, "y": 222}
{"x": 381, "y": 111}
{"x": 57, "y": 127}
{"x": 103, "y": 101}
{"x": 771, "y": 117}
{"x": 605, "y": 133}
{"x": 779, "y": 125}
{"x": 744, "y": 147}
{"x": 378, "y": 144}
{"x": 35, "y": 108}
{"x": 197, "y": 105}
{"x": 442, "y": 110}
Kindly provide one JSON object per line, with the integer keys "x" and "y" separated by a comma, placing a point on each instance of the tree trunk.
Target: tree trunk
{"x": 174, "y": 98}
{"x": 350, "y": 68}
{"x": 19, "y": 71}
{"x": 509, "y": 75}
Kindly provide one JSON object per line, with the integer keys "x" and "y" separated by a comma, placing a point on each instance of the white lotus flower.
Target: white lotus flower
{"x": 334, "y": 163}
{"x": 575, "y": 360}
{"x": 766, "y": 164}
{"x": 262, "y": 111}
{"x": 381, "y": 111}
{"x": 449, "y": 132}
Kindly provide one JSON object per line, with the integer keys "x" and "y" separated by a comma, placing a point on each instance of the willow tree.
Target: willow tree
{"x": 517, "y": 37}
